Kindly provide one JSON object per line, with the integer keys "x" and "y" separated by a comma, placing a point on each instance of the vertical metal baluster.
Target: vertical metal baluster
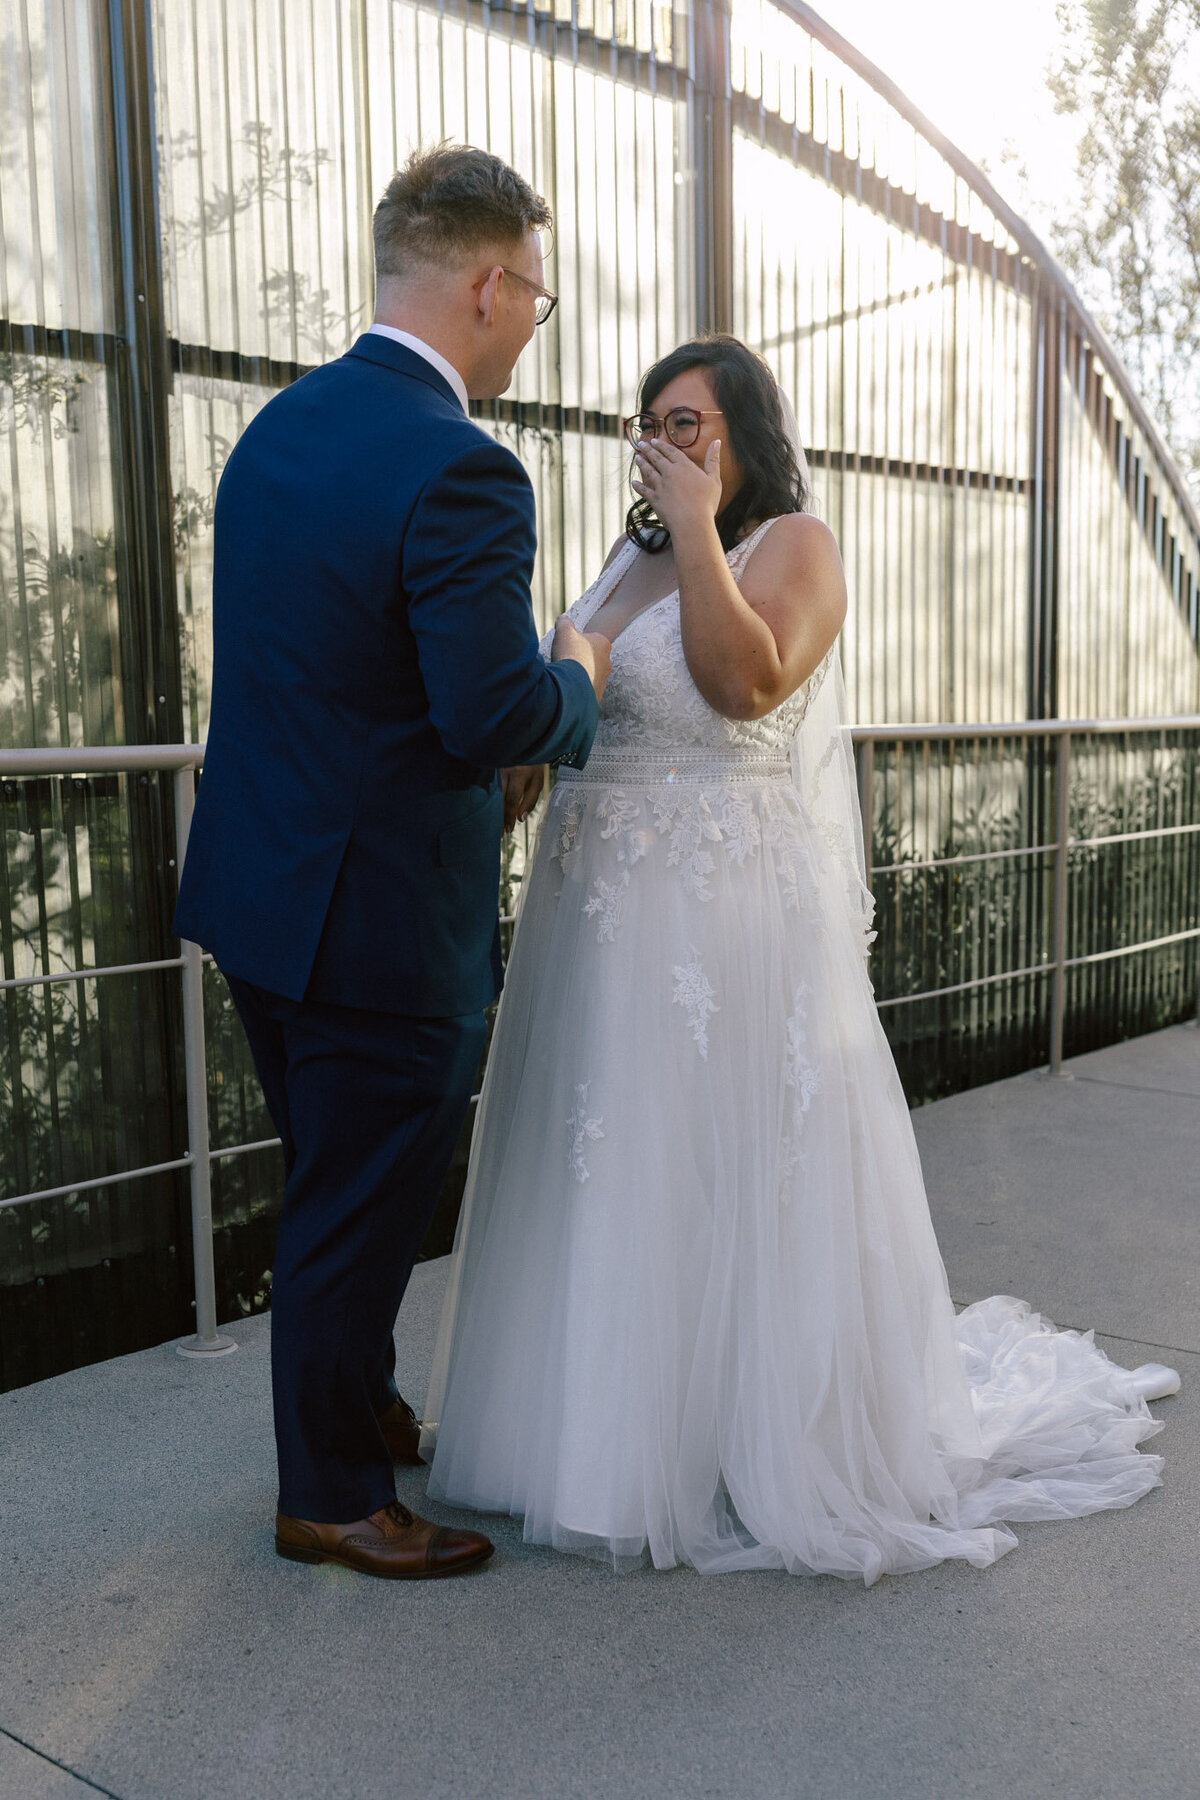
{"x": 1192, "y": 862}
{"x": 866, "y": 803}
{"x": 950, "y": 455}
{"x": 969, "y": 617}
{"x": 850, "y": 486}
{"x": 579, "y": 397}
{"x": 207, "y": 1341}
{"x": 621, "y": 256}
{"x": 1062, "y": 816}
{"x": 997, "y": 599}
{"x": 897, "y": 704}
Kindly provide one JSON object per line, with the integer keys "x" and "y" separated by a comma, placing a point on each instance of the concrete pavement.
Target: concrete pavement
{"x": 156, "y": 1649}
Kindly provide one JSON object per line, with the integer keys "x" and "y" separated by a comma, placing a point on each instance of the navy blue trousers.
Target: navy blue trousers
{"x": 369, "y": 1106}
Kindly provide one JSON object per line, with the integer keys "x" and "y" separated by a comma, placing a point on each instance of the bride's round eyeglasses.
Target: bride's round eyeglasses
{"x": 681, "y": 424}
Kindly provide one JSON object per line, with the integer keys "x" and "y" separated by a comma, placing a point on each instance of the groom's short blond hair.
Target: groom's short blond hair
{"x": 449, "y": 203}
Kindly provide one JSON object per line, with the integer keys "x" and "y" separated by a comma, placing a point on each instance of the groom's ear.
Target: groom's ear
{"x": 489, "y": 293}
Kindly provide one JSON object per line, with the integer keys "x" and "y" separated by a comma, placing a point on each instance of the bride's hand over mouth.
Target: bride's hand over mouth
{"x": 685, "y": 496}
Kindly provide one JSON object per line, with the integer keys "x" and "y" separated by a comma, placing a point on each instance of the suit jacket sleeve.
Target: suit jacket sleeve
{"x": 467, "y": 563}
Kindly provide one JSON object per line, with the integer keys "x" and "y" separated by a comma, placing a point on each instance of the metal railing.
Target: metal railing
{"x": 1062, "y": 732}
{"x": 182, "y": 761}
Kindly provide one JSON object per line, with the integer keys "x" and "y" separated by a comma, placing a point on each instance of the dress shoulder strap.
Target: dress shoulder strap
{"x": 593, "y": 598}
{"x": 741, "y": 553}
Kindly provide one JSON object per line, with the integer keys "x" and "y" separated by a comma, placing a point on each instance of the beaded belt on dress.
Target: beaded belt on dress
{"x": 642, "y": 768}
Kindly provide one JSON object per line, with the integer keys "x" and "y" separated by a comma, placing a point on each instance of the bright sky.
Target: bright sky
{"x": 976, "y": 69}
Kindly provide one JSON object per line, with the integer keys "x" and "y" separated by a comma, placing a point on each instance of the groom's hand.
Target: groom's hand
{"x": 522, "y": 789}
{"x": 588, "y": 648}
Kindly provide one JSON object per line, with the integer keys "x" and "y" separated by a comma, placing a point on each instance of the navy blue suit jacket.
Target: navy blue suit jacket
{"x": 375, "y": 662}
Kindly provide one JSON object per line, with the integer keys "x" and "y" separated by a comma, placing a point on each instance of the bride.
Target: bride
{"x": 696, "y": 1308}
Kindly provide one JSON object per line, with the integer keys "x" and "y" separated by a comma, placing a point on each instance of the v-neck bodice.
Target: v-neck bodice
{"x": 651, "y": 702}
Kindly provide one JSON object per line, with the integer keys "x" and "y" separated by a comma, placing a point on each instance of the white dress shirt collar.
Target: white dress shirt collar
{"x": 444, "y": 368}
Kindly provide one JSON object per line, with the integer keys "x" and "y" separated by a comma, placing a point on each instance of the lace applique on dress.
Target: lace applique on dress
{"x": 567, "y": 832}
{"x": 803, "y": 1080}
{"x": 620, "y": 818}
{"x": 783, "y": 837}
{"x": 740, "y": 829}
{"x": 582, "y": 1131}
{"x": 695, "y": 992}
{"x": 688, "y": 817}
{"x": 607, "y": 899}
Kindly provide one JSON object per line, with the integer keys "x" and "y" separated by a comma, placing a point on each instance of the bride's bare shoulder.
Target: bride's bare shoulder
{"x": 798, "y": 545}
{"x": 795, "y": 569}
{"x": 795, "y": 535}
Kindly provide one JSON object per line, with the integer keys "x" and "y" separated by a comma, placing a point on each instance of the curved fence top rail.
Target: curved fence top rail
{"x": 136, "y": 758}
{"x": 1023, "y": 234}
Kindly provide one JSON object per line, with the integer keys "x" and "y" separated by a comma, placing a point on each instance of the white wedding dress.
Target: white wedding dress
{"x": 696, "y": 1307}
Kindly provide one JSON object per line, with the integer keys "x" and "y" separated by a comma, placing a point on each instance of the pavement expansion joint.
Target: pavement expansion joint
{"x": 1115, "y": 1337}
{"x": 66, "y": 1768}
{"x": 1137, "y": 1087}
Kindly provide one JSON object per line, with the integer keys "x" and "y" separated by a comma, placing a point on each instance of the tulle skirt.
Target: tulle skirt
{"x": 696, "y": 1309}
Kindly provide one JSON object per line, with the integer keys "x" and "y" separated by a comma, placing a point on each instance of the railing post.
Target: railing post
{"x": 206, "y": 1342}
{"x": 1062, "y": 826}
{"x": 712, "y": 165}
{"x": 866, "y": 806}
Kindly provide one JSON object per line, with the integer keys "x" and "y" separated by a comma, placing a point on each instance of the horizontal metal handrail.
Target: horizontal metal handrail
{"x": 106, "y": 759}
{"x": 1015, "y": 728}
{"x": 964, "y": 987}
{"x": 1099, "y": 956}
{"x": 133, "y": 968}
{"x": 978, "y": 856}
{"x": 954, "y": 862}
{"x": 99, "y": 1181}
{"x": 245, "y": 1149}
{"x": 1044, "y": 968}
{"x": 1131, "y": 837}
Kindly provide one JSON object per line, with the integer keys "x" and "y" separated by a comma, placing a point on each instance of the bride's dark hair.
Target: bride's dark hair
{"x": 747, "y": 394}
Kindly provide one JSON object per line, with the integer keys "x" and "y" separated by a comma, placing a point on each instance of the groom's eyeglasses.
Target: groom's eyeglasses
{"x": 681, "y": 424}
{"x": 546, "y": 300}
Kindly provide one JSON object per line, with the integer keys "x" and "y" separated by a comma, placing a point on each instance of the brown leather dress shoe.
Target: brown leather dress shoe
{"x": 401, "y": 1429}
{"x": 393, "y": 1542}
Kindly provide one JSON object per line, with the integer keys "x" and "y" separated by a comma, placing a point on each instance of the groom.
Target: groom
{"x": 375, "y": 664}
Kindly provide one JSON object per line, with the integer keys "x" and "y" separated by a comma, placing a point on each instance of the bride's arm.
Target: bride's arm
{"x": 747, "y": 648}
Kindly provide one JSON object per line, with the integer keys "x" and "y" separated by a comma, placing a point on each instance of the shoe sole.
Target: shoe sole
{"x": 295, "y": 1553}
